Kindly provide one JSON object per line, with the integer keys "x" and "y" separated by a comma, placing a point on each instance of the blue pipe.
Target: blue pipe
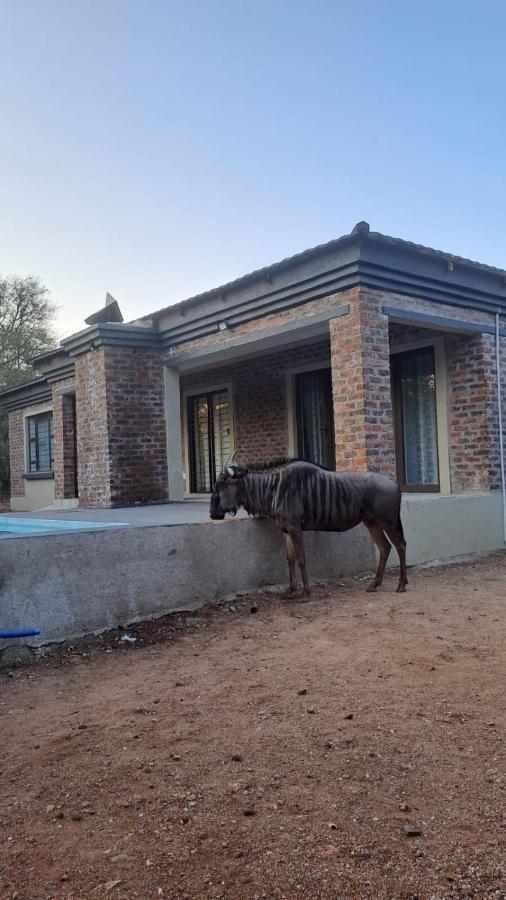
{"x": 22, "y": 632}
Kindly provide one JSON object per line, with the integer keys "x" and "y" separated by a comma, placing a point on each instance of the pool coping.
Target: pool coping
{"x": 51, "y": 526}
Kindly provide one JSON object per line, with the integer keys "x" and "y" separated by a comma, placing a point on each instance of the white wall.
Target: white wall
{"x": 441, "y": 527}
{"x": 39, "y": 494}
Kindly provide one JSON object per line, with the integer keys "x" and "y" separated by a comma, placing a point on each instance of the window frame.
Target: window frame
{"x": 438, "y": 345}
{"x": 208, "y": 397}
{"x": 291, "y": 401}
{"x": 38, "y": 472}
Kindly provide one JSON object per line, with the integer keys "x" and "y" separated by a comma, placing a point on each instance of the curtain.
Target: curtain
{"x": 315, "y": 428}
{"x": 418, "y": 393}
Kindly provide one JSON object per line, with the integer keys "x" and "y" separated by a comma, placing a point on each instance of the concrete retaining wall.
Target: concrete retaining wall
{"x": 72, "y": 584}
{"x": 443, "y": 527}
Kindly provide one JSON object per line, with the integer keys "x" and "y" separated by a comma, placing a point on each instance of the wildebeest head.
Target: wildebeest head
{"x": 226, "y": 497}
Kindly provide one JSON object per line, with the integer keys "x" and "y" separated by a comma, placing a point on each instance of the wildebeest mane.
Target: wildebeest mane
{"x": 278, "y": 462}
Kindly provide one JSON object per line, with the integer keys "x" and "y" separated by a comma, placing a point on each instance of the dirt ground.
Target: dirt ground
{"x": 277, "y": 753}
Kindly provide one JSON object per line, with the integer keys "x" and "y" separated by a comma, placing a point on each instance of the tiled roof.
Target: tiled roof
{"x": 362, "y": 228}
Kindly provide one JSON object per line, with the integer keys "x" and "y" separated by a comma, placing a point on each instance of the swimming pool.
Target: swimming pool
{"x": 14, "y": 525}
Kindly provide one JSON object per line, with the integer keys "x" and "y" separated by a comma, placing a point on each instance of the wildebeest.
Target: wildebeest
{"x": 301, "y": 496}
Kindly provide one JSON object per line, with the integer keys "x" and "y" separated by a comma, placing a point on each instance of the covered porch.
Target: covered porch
{"x": 371, "y": 387}
{"x": 268, "y": 393}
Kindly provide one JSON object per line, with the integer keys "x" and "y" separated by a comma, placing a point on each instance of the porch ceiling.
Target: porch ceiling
{"x": 302, "y": 330}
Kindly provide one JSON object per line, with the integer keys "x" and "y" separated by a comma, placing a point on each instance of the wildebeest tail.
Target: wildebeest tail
{"x": 399, "y": 523}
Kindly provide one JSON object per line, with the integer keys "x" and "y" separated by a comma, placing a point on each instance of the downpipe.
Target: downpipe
{"x": 499, "y": 417}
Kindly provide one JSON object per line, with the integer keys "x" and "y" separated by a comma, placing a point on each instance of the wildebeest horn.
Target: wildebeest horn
{"x": 231, "y": 459}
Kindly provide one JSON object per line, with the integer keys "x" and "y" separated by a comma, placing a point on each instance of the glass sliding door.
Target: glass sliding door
{"x": 415, "y": 413}
{"x": 315, "y": 417}
{"x": 209, "y": 438}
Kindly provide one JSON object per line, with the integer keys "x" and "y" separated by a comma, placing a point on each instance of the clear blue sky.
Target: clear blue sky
{"x": 155, "y": 149}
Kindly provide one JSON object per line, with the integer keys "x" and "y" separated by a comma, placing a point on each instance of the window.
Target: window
{"x": 209, "y": 438}
{"x": 315, "y": 417}
{"x": 415, "y": 419}
{"x": 40, "y": 442}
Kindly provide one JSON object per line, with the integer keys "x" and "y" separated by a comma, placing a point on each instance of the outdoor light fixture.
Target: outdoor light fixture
{"x": 222, "y": 326}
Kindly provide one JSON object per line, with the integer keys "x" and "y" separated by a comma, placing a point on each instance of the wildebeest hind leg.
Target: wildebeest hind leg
{"x": 298, "y": 543}
{"x": 384, "y": 548}
{"x": 291, "y": 556}
{"x": 397, "y": 537}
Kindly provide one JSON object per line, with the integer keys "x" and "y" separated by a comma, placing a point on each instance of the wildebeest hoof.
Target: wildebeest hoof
{"x": 401, "y": 589}
{"x": 290, "y": 593}
{"x": 373, "y": 587}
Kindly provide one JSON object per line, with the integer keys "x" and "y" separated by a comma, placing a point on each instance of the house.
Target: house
{"x": 364, "y": 353}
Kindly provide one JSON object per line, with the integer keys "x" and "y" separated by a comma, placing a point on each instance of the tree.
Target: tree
{"x": 26, "y": 329}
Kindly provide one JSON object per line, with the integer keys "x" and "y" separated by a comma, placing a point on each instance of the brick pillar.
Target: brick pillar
{"x": 93, "y": 463}
{"x": 136, "y": 424}
{"x": 64, "y": 428}
{"x": 360, "y": 359}
{"x": 121, "y": 439}
{"x": 17, "y": 452}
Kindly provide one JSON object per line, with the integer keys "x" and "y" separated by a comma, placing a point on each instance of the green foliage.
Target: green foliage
{"x": 26, "y": 315}
{"x": 26, "y": 329}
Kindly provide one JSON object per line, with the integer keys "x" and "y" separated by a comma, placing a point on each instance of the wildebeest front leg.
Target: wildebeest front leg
{"x": 298, "y": 543}
{"x": 291, "y": 556}
{"x": 384, "y": 548}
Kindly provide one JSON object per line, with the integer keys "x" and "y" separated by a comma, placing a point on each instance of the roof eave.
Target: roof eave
{"x": 257, "y": 275}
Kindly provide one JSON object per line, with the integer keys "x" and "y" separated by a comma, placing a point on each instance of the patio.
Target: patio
{"x": 166, "y": 514}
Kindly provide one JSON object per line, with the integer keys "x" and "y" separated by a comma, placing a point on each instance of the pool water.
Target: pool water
{"x": 13, "y": 525}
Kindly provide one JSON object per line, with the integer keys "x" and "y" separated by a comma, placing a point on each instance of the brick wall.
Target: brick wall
{"x": 64, "y": 427}
{"x": 17, "y": 452}
{"x": 136, "y": 425}
{"x": 405, "y": 334}
{"x": 272, "y": 320}
{"x": 260, "y": 396}
{"x": 473, "y": 435}
{"x": 93, "y": 463}
{"x": 445, "y": 310}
